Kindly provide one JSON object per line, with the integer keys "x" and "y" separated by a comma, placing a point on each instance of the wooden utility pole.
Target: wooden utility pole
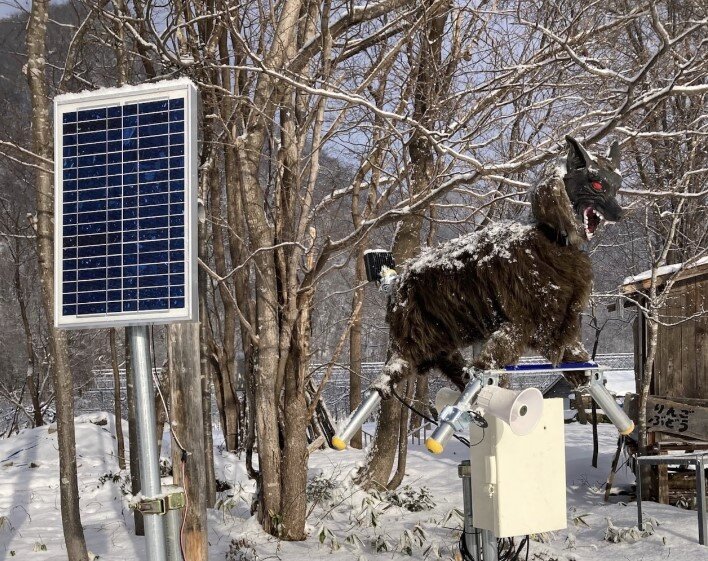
{"x": 189, "y": 468}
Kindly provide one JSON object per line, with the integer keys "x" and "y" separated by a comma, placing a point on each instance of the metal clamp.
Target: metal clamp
{"x": 173, "y": 500}
{"x": 459, "y": 418}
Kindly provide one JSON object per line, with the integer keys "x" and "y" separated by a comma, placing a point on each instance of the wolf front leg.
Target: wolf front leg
{"x": 395, "y": 370}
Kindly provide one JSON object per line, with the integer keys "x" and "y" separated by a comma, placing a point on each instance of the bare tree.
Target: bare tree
{"x": 42, "y": 154}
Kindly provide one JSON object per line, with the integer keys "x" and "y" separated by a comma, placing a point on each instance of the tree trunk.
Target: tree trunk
{"x": 205, "y": 375}
{"x": 29, "y": 346}
{"x": 406, "y": 244}
{"x": 118, "y": 410}
{"x": 355, "y": 341}
{"x": 189, "y": 468}
{"x": 402, "y": 439}
{"x": 420, "y": 402}
{"x": 133, "y": 438}
{"x": 63, "y": 383}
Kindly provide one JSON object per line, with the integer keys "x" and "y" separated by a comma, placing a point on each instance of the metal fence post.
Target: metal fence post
{"x": 150, "y": 485}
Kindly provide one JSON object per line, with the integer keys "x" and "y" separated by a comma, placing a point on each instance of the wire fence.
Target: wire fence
{"x": 98, "y": 394}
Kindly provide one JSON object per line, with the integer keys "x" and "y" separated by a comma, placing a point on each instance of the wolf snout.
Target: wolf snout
{"x": 612, "y": 211}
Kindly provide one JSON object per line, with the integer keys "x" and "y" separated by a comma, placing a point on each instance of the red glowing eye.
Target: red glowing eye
{"x": 596, "y": 185}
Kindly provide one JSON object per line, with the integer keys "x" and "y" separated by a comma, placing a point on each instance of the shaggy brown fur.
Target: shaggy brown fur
{"x": 512, "y": 286}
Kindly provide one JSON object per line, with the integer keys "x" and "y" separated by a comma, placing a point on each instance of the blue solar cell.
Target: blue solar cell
{"x": 89, "y": 126}
{"x": 114, "y": 111}
{"x": 85, "y": 309}
{"x": 69, "y": 117}
{"x": 91, "y": 114}
{"x": 89, "y": 274}
{"x": 157, "y": 280}
{"x": 92, "y": 137}
{"x": 92, "y": 286}
{"x": 152, "y": 235}
{"x": 155, "y": 141}
{"x": 154, "y": 118}
{"x": 69, "y": 129}
{"x": 94, "y": 148}
{"x": 152, "y": 106}
{"x": 161, "y": 304}
{"x": 89, "y": 205}
{"x": 93, "y": 263}
{"x": 89, "y": 297}
{"x": 92, "y": 251}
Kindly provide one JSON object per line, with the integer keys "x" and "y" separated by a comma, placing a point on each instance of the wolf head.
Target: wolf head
{"x": 592, "y": 182}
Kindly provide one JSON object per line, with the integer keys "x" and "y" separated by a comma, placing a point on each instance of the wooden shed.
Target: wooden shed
{"x": 681, "y": 363}
{"x": 677, "y": 410}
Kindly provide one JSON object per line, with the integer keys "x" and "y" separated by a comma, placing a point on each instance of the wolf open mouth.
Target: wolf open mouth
{"x": 591, "y": 220}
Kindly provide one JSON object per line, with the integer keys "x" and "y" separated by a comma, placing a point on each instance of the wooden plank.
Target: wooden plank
{"x": 701, "y": 402}
{"x": 701, "y": 339}
{"x": 691, "y": 387}
{"x": 676, "y": 418}
{"x": 676, "y": 316}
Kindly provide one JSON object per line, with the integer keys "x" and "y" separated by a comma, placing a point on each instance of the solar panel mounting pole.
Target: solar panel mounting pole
{"x": 150, "y": 485}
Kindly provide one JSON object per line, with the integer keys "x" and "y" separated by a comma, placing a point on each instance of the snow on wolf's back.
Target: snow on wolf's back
{"x": 463, "y": 290}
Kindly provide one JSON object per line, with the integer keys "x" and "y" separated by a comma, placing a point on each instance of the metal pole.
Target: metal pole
{"x": 470, "y": 532}
{"x": 489, "y": 546}
{"x": 701, "y": 500}
{"x": 173, "y": 520}
{"x": 640, "y": 522}
{"x": 147, "y": 440}
{"x": 357, "y": 418}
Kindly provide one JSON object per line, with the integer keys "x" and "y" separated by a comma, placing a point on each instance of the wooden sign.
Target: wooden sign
{"x": 672, "y": 417}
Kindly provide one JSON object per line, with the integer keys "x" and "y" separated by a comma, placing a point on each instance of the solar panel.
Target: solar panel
{"x": 125, "y": 205}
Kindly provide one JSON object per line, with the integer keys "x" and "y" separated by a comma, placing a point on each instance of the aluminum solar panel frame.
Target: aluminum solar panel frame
{"x": 125, "y": 221}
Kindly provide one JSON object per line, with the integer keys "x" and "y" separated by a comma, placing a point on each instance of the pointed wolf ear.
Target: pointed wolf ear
{"x": 614, "y": 154}
{"x": 577, "y": 156}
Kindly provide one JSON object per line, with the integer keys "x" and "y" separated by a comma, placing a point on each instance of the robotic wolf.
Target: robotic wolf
{"x": 510, "y": 286}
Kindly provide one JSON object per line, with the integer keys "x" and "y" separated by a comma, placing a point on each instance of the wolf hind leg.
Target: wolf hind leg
{"x": 505, "y": 346}
{"x": 455, "y": 368}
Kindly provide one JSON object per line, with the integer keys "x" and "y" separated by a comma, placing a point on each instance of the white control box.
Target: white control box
{"x": 518, "y": 482}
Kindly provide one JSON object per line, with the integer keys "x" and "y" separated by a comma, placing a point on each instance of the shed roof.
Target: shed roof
{"x": 642, "y": 281}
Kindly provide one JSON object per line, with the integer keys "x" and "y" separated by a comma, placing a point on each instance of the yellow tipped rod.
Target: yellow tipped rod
{"x": 356, "y": 420}
{"x": 607, "y": 403}
{"x": 452, "y": 417}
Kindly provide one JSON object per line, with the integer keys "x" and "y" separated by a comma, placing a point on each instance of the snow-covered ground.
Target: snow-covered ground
{"x": 345, "y": 523}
